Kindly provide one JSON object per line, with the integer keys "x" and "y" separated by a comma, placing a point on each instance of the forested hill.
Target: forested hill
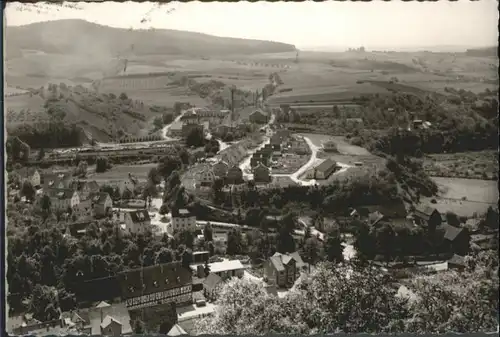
{"x": 82, "y": 37}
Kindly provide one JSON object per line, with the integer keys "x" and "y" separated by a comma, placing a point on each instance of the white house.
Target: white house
{"x": 137, "y": 221}
{"x": 63, "y": 199}
{"x": 226, "y": 269}
{"x": 185, "y": 220}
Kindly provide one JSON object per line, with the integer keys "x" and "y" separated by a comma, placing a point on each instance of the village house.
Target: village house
{"x": 258, "y": 117}
{"x": 63, "y": 199}
{"x": 137, "y": 221}
{"x": 56, "y": 181}
{"x": 184, "y": 220}
{"x": 191, "y": 117}
{"x": 325, "y": 169}
{"x": 225, "y": 269}
{"x": 330, "y": 146}
{"x": 175, "y": 129}
{"x": 156, "y": 285}
{"x": 457, "y": 262}
{"x": 176, "y": 330}
{"x": 77, "y": 229}
{"x": 283, "y": 270}
{"x": 83, "y": 209}
{"x": 427, "y": 217}
{"x": 30, "y": 174}
{"x": 234, "y": 176}
{"x": 211, "y": 285}
{"x": 188, "y": 128}
{"x": 457, "y": 240}
{"x": 102, "y": 204}
{"x": 205, "y": 177}
{"x": 261, "y": 174}
{"x": 103, "y": 319}
{"x": 220, "y": 169}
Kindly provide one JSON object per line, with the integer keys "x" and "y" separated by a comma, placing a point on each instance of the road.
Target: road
{"x": 245, "y": 164}
{"x": 166, "y": 128}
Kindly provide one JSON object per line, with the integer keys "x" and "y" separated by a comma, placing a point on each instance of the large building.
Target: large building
{"x": 325, "y": 169}
{"x": 156, "y": 285}
{"x": 184, "y": 220}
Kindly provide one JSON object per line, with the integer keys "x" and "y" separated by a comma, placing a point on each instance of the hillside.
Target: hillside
{"x": 104, "y": 116}
{"x": 84, "y": 38}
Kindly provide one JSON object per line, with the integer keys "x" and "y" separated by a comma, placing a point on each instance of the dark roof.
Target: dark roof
{"x": 457, "y": 260}
{"x": 451, "y": 232}
{"x": 118, "y": 312}
{"x": 184, "y": 212}
{"x": 279, "y": 260}
{"x": 140, "y": 215}
{"x": 212, "y": 281}
{"x": 52, "y": 180}
{"x": 156, "y": 278}
{"x": 26, "y": 171}
{"x": 76, "y": 228}
{"x": 60, "y": 193}
{"x": 396, "y": 209}
{"x": 424, "y": 212}
{"x": 326, "y": 165}
{"x": 99, "y": 198}
{"x": 101, "y": 289}
{"x": 375, "y": 217}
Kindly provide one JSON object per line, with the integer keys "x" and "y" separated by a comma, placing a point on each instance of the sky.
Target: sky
{"x": 375, "y": 24}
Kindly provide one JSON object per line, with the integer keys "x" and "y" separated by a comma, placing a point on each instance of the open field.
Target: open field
{"x": 473, "y": 189}
{"x": 479, "y": 194}
{"x": 343, "y": 147}
{"x": 120, "y": 172}
{"x": 474, "y": 165}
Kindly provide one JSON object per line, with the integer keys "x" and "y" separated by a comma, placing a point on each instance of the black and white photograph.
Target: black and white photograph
{"x": 191, "y": 168}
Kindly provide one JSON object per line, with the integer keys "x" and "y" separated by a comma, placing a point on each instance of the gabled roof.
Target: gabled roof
{"x": 116, "y": 312}
{"x": 61, "y": 194}
{"x": 177, "y": 330}
{"x": 261, "y": 166}
{"x": 152, "y": 279}
{"x": 424, "y": 212}
{"x": 139, "y": 216}
{"x": 326, "y": 165}
{"x": 451, "y": 232}
{"x": 27, "y": 171}
{"x": 279, "y": 261}
{"x": 457, "y": 260}
{"x": 108, "y": 320}
{"x": 375, "y": 218}
{"x": 102, "y": 304}
{"x": 99, "y": 198}
{"x": 212, "y": 281}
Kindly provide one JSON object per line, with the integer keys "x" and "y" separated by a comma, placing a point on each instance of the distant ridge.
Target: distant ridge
{"x": 74, "y": 36}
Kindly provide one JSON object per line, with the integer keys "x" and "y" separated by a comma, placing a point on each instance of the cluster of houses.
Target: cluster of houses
{"x": 80, "y": 198}
{"x": 197, "y": 118}
{"x": 455, "y": 239}
{"x": 163, "y": 287}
